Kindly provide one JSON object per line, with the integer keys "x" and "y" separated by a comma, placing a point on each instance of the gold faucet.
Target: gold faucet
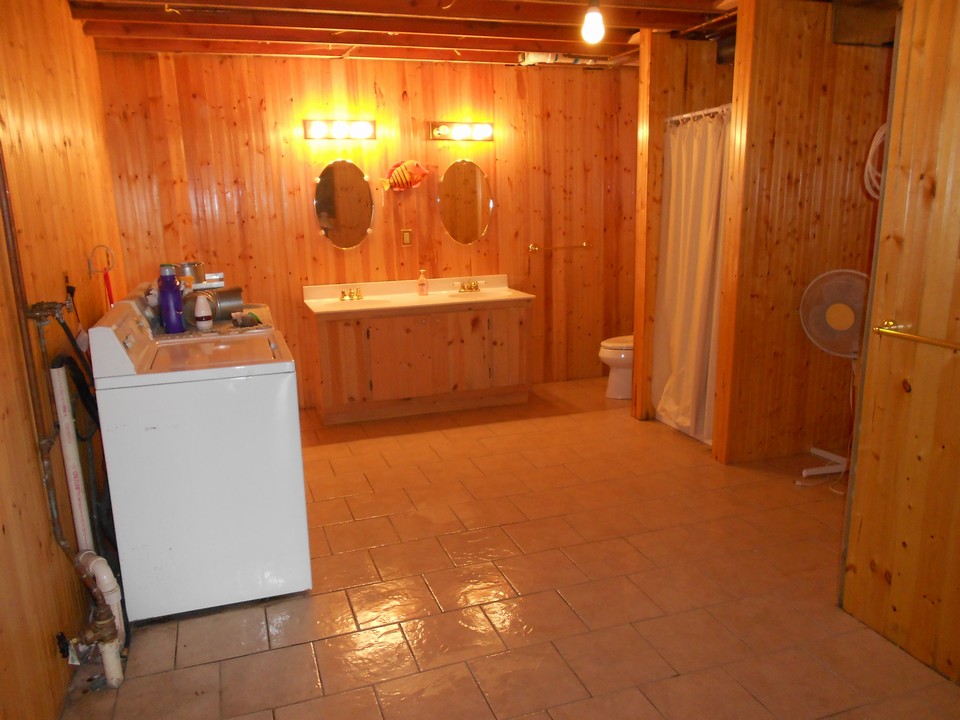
{"x": 469, "y": 286}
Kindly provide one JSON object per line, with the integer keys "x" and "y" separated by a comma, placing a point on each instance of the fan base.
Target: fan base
{"x": 837, "y": 464}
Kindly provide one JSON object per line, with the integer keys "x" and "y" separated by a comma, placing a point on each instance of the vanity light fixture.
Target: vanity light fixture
{"x": 442, "y": 130}
{"x": 592, "y": 30}
{"x": 314, "y": 129}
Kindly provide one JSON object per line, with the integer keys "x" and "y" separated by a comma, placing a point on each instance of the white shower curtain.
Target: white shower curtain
{"x": 685, "y": 320}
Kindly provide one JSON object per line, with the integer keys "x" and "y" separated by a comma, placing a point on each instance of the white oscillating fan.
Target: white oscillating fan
{"x": 832, "y": 311}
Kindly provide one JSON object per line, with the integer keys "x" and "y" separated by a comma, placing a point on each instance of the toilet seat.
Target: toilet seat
{"x": 621, "y": 342}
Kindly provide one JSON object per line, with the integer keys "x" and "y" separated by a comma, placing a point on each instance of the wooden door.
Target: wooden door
{"x": 344, "y": 363}
{"x": 902, "y": 559}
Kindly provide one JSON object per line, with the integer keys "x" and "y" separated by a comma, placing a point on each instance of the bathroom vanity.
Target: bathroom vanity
{"x": 386, "y": 351}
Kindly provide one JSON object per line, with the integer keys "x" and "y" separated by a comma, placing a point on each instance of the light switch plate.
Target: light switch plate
{"x": 406, "y": 237}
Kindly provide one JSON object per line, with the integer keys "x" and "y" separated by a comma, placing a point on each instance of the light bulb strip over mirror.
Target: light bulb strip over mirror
{"x": 461, "y": 131}
{"x": 593, "y": 30}
{"x": 322, "y": 129}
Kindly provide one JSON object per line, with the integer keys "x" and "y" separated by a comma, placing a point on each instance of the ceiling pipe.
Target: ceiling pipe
{"x": 710, "y": 29}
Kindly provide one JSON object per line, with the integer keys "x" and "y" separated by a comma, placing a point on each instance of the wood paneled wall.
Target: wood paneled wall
{"x": 210, "y": 164}
{"x": 804, "y": 113}
{"x": 51, "y": 134}
{"x": 902, "y": 564}
{"x": 676, "y": 77}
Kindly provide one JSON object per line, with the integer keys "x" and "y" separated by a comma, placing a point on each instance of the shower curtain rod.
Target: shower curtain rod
{"x": 720, "y": 109}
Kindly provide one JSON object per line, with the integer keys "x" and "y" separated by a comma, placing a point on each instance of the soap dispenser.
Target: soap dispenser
{"x": 422, "y": 282}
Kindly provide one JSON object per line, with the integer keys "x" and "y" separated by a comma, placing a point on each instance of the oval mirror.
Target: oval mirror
{"x": 344, "y": 204}
{"x": 466, "y": 203}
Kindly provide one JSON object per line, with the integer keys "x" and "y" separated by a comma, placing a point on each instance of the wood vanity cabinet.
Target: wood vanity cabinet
{"x": 388, "y": 365}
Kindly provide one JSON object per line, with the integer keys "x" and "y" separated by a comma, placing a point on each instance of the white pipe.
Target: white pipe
{"x": 71, "y": 459}
{"x": 112, "y": 667}
{"x": 107, "y": 582}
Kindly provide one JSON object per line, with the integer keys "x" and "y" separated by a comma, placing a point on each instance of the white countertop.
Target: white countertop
{"x": 399, "y": 296}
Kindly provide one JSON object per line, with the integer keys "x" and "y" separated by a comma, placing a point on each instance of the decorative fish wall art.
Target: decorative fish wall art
{"x": 405, "y": 175}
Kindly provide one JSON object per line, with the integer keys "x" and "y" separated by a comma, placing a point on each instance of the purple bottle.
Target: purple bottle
{"x": 171, "y": 304}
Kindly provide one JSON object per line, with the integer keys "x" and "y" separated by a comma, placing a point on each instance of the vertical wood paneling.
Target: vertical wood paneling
{"x": 805, "y": 111}
{"x": 902, "y": 562}
{"x": 560, "y": 169}
{"x": 676, "y": 77}
{"x": 52, "y": 136}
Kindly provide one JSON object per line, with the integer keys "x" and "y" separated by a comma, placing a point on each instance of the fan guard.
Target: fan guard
{"x": 832, "y": 311}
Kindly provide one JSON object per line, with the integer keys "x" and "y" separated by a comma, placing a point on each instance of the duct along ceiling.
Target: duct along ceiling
{"x": 492, "y": 31}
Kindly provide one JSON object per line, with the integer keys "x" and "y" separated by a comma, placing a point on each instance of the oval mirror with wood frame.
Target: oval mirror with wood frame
{"x": 466, "y": 203}
{"x": 344, "y": 204}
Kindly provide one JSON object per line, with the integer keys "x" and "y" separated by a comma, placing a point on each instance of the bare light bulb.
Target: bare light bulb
{"x": 592, "y": 30}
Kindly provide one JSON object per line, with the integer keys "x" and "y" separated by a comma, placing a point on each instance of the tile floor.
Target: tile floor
{"x": 552, "y": 561}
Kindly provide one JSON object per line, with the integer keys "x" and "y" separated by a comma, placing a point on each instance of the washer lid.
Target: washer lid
{"x": 217, "y": 352}
{"x": 621, "y": 342}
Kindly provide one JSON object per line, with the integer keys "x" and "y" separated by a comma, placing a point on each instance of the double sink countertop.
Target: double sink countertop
{"x": 399, "y": 297}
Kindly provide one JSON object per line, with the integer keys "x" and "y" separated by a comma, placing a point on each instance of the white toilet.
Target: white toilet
{"x": 617, "y": 352}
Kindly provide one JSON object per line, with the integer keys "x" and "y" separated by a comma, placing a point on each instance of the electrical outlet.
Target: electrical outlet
{"x": 406, "y": 237}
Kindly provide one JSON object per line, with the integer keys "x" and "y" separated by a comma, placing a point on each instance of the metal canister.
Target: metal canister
{"x": 223, "y": 302}
{"x": 192, "y": 270}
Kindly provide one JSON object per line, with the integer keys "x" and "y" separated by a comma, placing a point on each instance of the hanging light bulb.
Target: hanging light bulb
{"x": 592, "y": 30}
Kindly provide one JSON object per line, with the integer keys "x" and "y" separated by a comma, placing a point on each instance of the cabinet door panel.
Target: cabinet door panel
{"x": 467, "y": 354}
{"x": 403, "y": 356}
{"x": 344, "y": 363}
{"x": 508, "y": 346}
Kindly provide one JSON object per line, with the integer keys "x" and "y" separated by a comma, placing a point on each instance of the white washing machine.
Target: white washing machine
{"x": 201, "y": 436}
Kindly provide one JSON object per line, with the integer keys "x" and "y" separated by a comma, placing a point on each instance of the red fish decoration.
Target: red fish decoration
{"x": 405, "y": 175}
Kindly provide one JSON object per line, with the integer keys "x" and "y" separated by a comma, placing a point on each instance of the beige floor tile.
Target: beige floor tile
{"x": 546, "y": 503}
{"x": 649, "y": 485}
{"x": 409, "y": 456}
{"x": 705, "y": 695}
{"x": 353, "y": 705}
{"x": 744, "y": 574}
{"x": 430, "y": 522}
{"x": 448, "y": 692}
{"x": 468, "y": 585}
{"x": 671, "y": 546}
{"x": 629, "y": 704}
{"x": 268, "y": 679}
{"x": 189, "y": 694}
{"x": 546, "y": 534}
{"x": 363, "y": 658}
{"x": 766, "y": 623}
{"x": 818, "y": 600}
{"x": 729, "y": 535}
{"x": 872, "y": 664}
{"x": 153, "y": 649}
{"x": 693, "y": 640}
{"x": 261, "y": 715}
{"x": 664, "y": 512}
{"x": 328, "y": 512}
{"x": 339, "y": 486}
{"x": 607, "y": 558}
{"x": 379, "y": 502}
{"x": 319, "y": 547}
{"x": 486, "y": 487}
{"x": 549, "y": 478}
{"x": 501, "y": 462}
{"x": 611, "y": 659}
{"x": 680, "y": 587}
{"x": 490, "y": 512}
{"x": 392, "y": 602}
{"x": 452, "y": 637}
{"x": 439, "y": 492}
{"x": 221, "y": 635}
{"x": 803, "y": 561}
{"x": 610, "y": 601}
{"x": 533, "y": 619}
{"x": 458, "y": 450}
{"x": 410, "y": 558}
{"x": 551, "y": 455}
{"x": 546, "y": 570}
{"x": 466, "y": 548}
{"x": 373, "y": 443}
{"x": 527, "y": 680}
{"x": 787, "y": 523}
{"x": 936, "y": 702}
{"x": 604, "y": 523}
{"x": 352, "y": 464}
{"x": 361, "y": 535}
{"x": 393, "y": 478}
{"x": 303, "y": 619}
{"x": 792, "y": 684}
{"x": 603, "y": 494}
{"x": 336, "y": 572}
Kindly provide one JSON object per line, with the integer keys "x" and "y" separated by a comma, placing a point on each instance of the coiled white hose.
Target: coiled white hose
{"x": 873, "y": 168}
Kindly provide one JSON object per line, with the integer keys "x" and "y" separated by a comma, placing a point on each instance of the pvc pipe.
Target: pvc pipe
{"x": 71, "y": 459}
{"x": 107, "y": 583}
{"x": 112, "y": 667}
